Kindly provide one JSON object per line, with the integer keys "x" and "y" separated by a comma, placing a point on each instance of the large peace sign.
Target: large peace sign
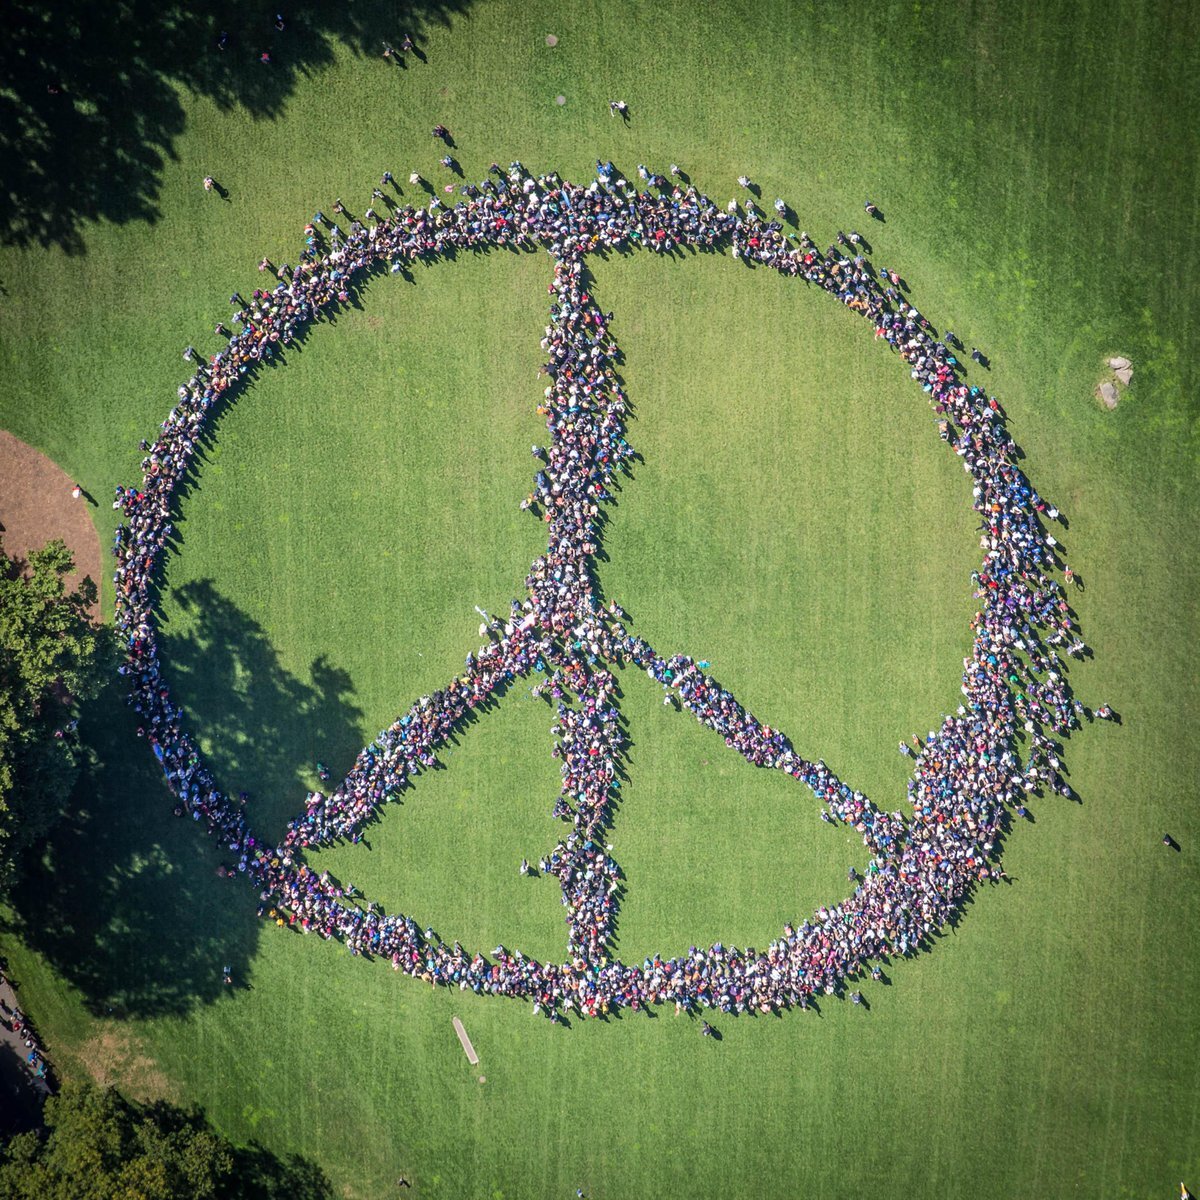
{"x": 981, "y": 760}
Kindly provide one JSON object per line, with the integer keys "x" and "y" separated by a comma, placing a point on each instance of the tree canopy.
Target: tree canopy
{"x": 52, "y": 657}
{"x": 98, "y": 1145}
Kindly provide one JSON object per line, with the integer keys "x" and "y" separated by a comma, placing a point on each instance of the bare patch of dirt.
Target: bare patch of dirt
{"x": 114, "y": 1058}
{"x": 36, "y": 506}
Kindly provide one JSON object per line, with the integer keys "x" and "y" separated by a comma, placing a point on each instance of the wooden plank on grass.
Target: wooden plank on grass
{"x": 468, "y": 1049}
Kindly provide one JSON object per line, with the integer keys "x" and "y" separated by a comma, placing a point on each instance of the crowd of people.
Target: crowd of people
{"x": 970, "y": 774}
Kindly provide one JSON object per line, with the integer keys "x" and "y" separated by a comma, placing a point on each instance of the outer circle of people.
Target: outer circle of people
{"x": 970, "y": 776}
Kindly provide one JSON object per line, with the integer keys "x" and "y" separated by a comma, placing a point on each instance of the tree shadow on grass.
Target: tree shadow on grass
{"x": 91, "y": 94}
{"x": 126, "y": 902}
{"x": 263, "y": 729}
{"x": 262, "y": 1175}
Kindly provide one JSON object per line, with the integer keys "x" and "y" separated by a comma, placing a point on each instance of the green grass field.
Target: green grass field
{"x": 794, "y": 520}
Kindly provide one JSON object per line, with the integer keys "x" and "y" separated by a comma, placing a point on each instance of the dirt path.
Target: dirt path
{"x": 36, "y": 505}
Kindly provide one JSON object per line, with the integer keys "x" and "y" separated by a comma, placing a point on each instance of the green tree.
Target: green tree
{"x": 100, "y": 1146}
{"x": 52, "y": 657}
{"x": 97, "y": 1145}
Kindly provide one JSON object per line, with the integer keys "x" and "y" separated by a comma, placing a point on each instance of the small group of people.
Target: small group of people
{"x": 17, "y": 1023}
{"x": 264, "y": 56}
{"x": 971, "y": 773}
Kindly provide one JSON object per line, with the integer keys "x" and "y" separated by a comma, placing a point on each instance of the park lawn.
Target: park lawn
{"x": 794, "y": 520}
